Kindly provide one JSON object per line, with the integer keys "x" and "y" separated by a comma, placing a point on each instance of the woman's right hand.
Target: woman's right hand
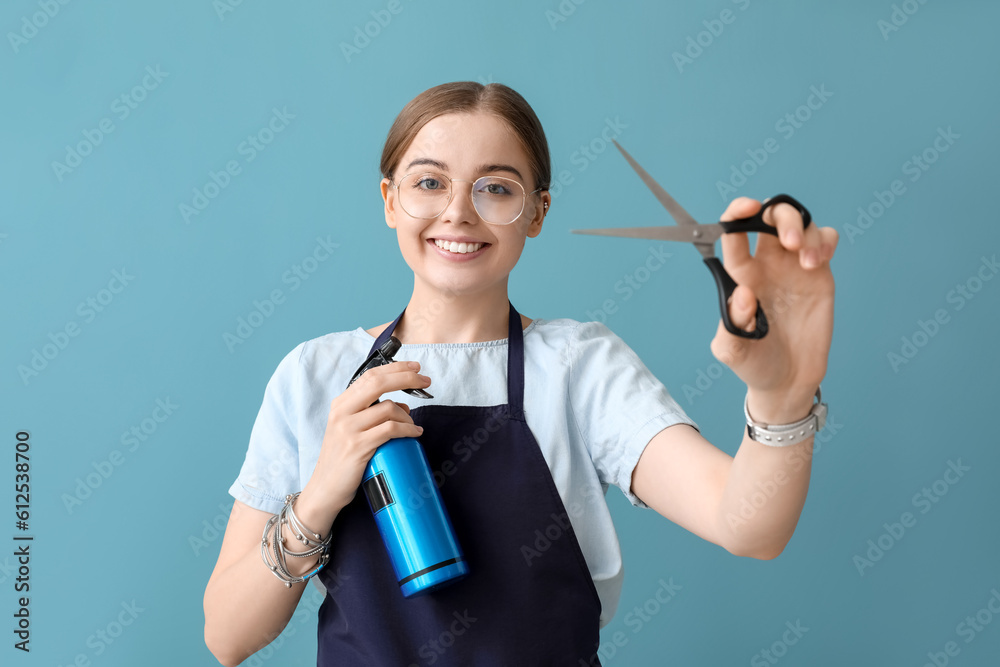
{"x": 355, "y": 429}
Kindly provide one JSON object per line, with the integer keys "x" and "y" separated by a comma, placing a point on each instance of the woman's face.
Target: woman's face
{"x": 464, "y": 146}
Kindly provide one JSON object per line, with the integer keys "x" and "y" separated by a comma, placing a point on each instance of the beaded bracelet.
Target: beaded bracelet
{"x": 277, "y": 566}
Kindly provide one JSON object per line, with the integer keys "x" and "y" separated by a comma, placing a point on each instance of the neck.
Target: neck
{"x": 447, "y": 316}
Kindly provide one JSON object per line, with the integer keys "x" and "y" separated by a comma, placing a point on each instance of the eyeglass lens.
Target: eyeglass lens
{"x": 426, "y": 195}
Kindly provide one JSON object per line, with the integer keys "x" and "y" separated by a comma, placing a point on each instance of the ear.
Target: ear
{"x": 541, "y": 209}
{"x": 389, "y": 197}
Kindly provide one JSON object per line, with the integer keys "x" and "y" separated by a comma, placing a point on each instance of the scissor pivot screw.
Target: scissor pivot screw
{"x": 696, "y": 233}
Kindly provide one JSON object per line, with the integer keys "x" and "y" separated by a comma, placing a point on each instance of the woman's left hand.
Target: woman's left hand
{"x": 790, "y": 275}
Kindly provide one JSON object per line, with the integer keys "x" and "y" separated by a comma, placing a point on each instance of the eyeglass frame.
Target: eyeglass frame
{"x": 451, "y": 197}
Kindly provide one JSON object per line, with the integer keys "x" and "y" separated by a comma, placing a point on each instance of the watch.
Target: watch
{"x": 782, "y": 435}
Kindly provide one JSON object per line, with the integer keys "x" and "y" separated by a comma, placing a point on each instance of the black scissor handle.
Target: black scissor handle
{"x": 755, "y": 223}
{"x": 726, "y": 286}
{"x": 725, "y": 283}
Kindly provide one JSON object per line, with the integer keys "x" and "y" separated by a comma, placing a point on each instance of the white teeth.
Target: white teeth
{"x": 460, "y": 248}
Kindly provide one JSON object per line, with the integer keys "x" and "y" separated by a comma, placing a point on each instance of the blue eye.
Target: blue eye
{"x": 495, "y": 189}
{"x": 429, "y": 183}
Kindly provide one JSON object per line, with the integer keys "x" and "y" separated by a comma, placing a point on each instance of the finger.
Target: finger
{"x": 791, "y": 229}
{"x": 742, "y": 309}
{"x": 382, "y": 380}
{"x": 811, "y": 252}
{"x": 404, "y": 406}
{"x": 830, "y": 239}
{"x": 736, "y": 247}
{"x": 386, "y": 431}
{"x": 380, "y": 413}
{"x": 726, "y": 347}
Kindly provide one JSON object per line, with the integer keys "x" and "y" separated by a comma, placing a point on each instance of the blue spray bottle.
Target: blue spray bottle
{"x": 407, "y": 505}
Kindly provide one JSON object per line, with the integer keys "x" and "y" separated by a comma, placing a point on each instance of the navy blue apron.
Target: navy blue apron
{"x": 529, "y": 598}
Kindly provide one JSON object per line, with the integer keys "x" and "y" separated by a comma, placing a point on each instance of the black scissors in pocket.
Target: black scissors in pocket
{"x": 704, "y": 237}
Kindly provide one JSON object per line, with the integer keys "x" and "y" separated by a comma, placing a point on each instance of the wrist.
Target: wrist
{"x": 315, "y": 512}
{"x": 781, "y": 407}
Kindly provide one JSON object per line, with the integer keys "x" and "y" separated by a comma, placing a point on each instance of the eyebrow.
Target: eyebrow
{"x": 482, "y": 169}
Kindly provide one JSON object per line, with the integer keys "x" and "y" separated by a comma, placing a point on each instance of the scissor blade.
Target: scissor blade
{"x": 698, "y": 234}
{"x": 676, "y": 210}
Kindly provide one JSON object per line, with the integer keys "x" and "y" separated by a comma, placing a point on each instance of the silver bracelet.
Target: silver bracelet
{"x": 301, "y": 532}
{"x": 277, "y": 565}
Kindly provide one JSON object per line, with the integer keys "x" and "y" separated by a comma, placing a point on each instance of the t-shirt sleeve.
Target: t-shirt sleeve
{"x": 271, "y": 468}
{"x": 618, "y": 404}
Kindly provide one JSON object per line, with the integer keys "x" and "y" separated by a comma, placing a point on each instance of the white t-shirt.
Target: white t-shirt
{"x": 590, "y": 402}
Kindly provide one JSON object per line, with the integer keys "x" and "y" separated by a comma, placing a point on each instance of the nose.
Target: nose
{"x": 460, "y": 208}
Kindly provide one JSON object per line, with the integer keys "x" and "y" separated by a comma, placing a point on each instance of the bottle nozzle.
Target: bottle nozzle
{"x": 381, "y": 357}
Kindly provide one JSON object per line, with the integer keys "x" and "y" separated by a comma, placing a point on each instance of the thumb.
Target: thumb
{"x": 726, "y": 347}
{"x": 743, "y": 308}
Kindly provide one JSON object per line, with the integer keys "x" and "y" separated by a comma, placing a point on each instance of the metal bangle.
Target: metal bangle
{"x": 300, "y": 529}
{"x": 278, "y": 565}
{"x": 265, "y": 555}
{"x": 321, "y": 547}
{"x": 279, "y": 551}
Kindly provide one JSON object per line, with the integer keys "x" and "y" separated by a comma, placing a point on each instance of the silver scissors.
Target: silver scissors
{"x": 704, "y": 237}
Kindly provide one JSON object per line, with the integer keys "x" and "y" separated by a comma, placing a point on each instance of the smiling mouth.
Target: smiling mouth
{"x": 458, "y": 248}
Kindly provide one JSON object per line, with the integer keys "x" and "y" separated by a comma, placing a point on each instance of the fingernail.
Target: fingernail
{"x": 811, "y": 259}
{"x": 414, "y": 365}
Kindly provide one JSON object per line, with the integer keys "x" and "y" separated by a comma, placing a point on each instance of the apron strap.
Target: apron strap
{"x": 515, "y": 365}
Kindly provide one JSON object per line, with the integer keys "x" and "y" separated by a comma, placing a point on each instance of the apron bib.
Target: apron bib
{"x": 529, "y": 598}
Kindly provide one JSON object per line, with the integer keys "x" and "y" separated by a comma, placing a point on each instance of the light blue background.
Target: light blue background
{"x": 135, "y": 537}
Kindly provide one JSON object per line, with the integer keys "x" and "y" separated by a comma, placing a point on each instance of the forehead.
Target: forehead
{"x": 465, "y": 140}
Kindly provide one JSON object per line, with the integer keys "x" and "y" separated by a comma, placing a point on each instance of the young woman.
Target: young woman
{"x": 531, "y": 420}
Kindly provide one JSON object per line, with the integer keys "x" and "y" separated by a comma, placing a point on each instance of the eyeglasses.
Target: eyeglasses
{"x": 497, "y": 200}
